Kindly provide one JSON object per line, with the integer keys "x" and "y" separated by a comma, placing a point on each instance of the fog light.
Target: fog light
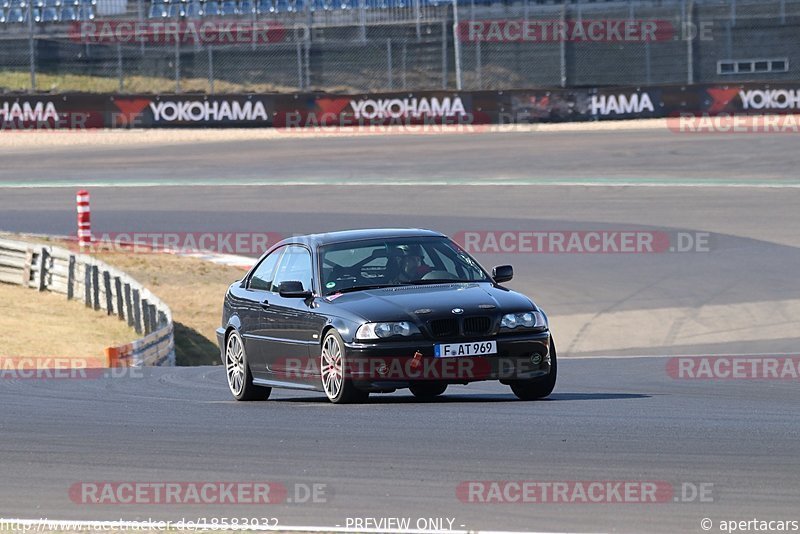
{"x": 536, "y": 359}
{"x": 383, "y": 369}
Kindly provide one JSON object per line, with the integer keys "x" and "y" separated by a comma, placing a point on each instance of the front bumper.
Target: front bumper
{"x": 397, "y": 364}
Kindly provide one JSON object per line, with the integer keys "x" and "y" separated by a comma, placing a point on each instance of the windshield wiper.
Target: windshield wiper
{"x": 361, "y": 288}
{"x": 441, "y": 281}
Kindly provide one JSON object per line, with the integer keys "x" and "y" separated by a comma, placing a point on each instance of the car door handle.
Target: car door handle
{"x": 265, "y": 303}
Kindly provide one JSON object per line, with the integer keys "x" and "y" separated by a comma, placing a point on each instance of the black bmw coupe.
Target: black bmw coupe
{"x": 354, "y": 312}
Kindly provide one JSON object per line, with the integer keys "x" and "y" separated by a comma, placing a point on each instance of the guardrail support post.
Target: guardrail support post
{"x": 109, "y": 296}
{"x": 137, "y": 312}
{"x": 128, "y": 304}
{"x": 146, "y": 316}
{"x": 26, "y": 271}
{"x": 118, "y": 291}
{"x": 87, "y": 285}
{"x": 71, "y": 278}
{"x": 43, "y": 260}
{"x": 153, "y": 318}
{"x": 96, "y": 287}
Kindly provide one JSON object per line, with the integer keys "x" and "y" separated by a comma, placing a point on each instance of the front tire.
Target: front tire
{"x": 332, "y": 359}
{"x": 541, "y": 387}
{"x": 240, "y": 379}
{"x": 427, "y": 390}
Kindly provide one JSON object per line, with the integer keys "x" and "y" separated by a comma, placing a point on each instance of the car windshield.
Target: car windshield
{"x": 394, "y": 262}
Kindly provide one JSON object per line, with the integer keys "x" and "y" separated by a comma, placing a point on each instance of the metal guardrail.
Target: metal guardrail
{"x": 101, "y": 287}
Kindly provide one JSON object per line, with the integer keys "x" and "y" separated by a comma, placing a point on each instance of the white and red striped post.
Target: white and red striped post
{"x": 84, "y": 219}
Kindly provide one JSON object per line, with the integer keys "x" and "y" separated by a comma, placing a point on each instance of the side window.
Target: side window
{"x": 262, "y": 277}
{"x": 296, "y": 266}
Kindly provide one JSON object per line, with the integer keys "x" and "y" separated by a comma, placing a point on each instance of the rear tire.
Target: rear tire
{"x": 541, "y": 387}
{"x": 333, "y": 362}
{"x": 427, "y": 390}
{"x": 240, "y": 379}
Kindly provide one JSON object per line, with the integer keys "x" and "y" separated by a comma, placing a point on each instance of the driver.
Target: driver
{"x": 408, "y": 266}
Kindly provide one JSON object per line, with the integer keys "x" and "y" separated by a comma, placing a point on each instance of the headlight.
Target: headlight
{"x": 532, "y": 319}
{"x": 384, "y": 330}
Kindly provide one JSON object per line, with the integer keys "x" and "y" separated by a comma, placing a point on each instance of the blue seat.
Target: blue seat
{"x": 50, "y": 14}
{"x": 15, "y": 16}
{"x": 175, "y": 11}
{"x": 194, "y": 10}
{"x": 86, "y": 12}
{"x": 68, "y": 14}
{"x": 229, "y": 9}
{"x": 246, "y": 7}
{"x": 212, "y": 9}
{"x": 158, "y": 11}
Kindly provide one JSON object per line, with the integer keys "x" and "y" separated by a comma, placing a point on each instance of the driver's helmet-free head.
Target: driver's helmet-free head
{"x": 405, "y": 251}
{"x": 409, "y": 258}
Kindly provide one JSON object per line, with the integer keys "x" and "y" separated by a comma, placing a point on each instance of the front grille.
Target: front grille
{"x": 466, "y": 326}
{"x": 444, "y": 327}
{"x": 477, "y": 326}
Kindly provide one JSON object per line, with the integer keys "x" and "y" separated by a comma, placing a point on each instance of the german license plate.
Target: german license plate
{"x": 455, "y": 350}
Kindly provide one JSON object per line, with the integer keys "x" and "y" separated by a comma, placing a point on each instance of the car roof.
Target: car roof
{"x": 344, "y": 236}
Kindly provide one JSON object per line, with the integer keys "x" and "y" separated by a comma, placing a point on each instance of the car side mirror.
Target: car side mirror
{"x": 502, "y": 273}
{"x": 293, "y": 289}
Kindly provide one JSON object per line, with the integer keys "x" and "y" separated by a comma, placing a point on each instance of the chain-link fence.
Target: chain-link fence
{"x": 347, "y": 46}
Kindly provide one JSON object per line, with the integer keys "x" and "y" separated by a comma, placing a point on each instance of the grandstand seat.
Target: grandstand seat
{"x": 85, "y": 12}
{"x": 322, "y": 5}
{"x": 68, "y": 14}
{"x": 263, "y": 6}
{"x": 212, "y": 9}
{"x": 246, "y": 7}
{"x": 15, "y": 15}
{"x": 175, "y": 11}
{"x": 229, "y": 8}
{"x": 194, "y": 10}
{"x": 50, "y": 14}
{"x": 158, "y": 10}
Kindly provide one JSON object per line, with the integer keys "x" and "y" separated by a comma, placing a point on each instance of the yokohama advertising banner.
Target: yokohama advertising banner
{"x": 461, "y": 108}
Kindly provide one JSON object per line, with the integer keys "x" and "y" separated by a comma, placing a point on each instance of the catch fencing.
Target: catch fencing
{"x": 354, "y": 46}
{"x": 101, "y": 287}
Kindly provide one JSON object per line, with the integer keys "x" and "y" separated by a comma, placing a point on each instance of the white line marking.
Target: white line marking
{"x": 734, "y": 355}
{"x": 491, "y": 182}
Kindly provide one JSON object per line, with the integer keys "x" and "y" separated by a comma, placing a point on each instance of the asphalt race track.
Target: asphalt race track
{"x": 608, "y": 420}
{"x": 616, "y": 414}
